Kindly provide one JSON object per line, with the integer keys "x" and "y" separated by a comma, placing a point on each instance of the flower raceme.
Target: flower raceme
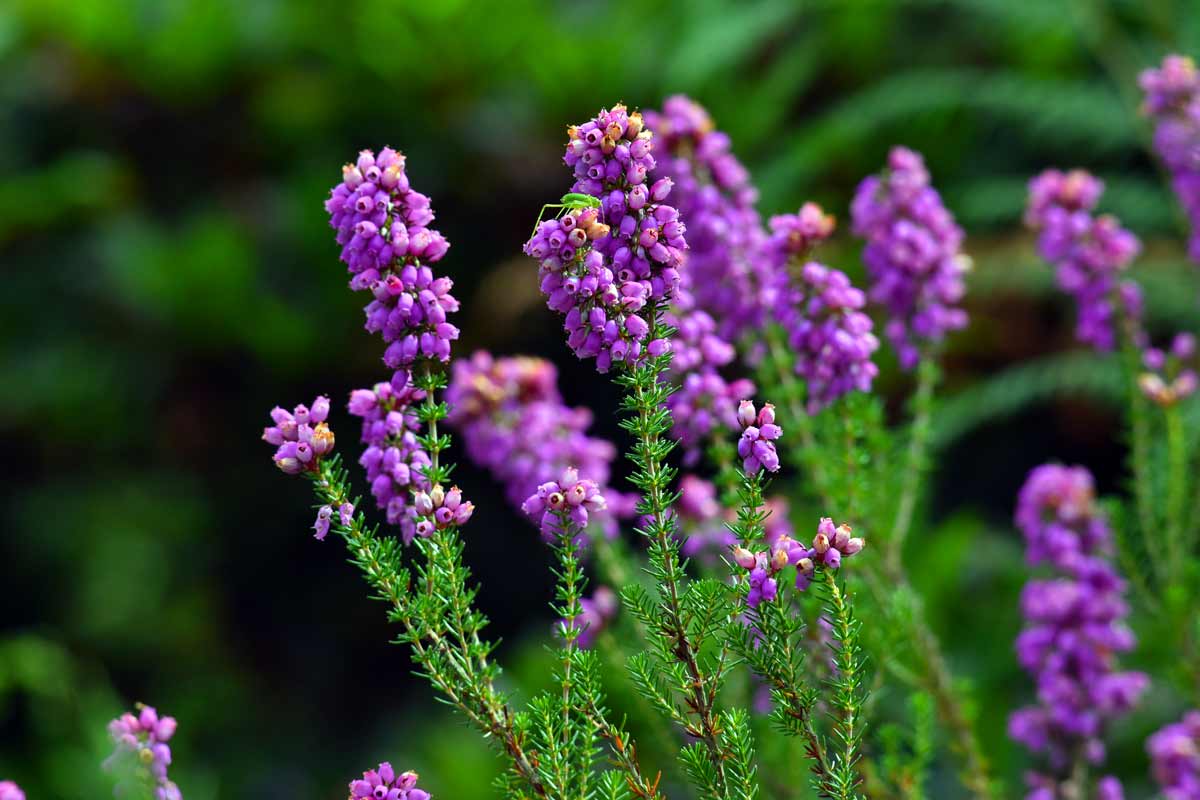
{"x": 384, "y": 784}
{"x": 829, "y": 545}
{"x": 1075, "y": 627}
{"x": 607, "y": 269}
{"x": 142, "y": 754}
{"x": 301, "y": 436}
{"x": 912, "y": 254}
{"x": 756, "y": 447}
{"x": 382, "y": 225}
{"x": 564, "y": 505}
{"x": 1173, "y": 103}
{"x": 1088, "y": 251}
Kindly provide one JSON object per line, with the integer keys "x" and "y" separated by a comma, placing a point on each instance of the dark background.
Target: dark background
{"x": 169, "y": 276}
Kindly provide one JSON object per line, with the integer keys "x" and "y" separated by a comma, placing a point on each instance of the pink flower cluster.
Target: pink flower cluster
{"x": 142, "y": 754}
{"x": 301, "y": 436}
{"x": 829, "y": 546}
{"x": 563, "y": 505}
{"x": 756, "y": 447}
{"x": 385, "y": 784}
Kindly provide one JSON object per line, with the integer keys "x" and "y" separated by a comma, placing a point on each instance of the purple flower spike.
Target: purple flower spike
{"x": 1088, "y": 252}
{"x": 142, "y": 755}
{"x": 382, "y": 226}
{"x": 384, "y": 784}
{"x": 1075, "y": 624}
{"x": 725, "y": 278}
{"x": 1173, "y": 103}
{"x": 1175, "y": 758}
{"x": 606, "y": 268}
{"x": 10, "y": 791}
{"x": 827, "y": 330}
{"x": 912, "y": 254}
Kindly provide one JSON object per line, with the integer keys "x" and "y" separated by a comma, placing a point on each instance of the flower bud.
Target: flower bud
{"x": 743, "y": 557}
{"x": 821, "y": 544}
{"x": 745, "y": 414}
{"x": 841, "y": 536}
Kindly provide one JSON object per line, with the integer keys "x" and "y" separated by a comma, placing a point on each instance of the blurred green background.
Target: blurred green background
{"x": 169, "y": 276}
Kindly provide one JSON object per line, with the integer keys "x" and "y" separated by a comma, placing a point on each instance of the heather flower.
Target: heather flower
{"x": 142, "y": 754}
{"x": 10, "y": 791}
{"x": 716, "y": 201}
{"x": 1075, "y": 624}
{"x": 1175, "y": 758}
{"x": 515, "y": 424}
{"x": 1169, "y": 378}
{"x": 1088, "y": 252}
{"x": 829, "y": 546}
{"x": 564, "y": 504}
{"x": 394, "y": 460}
{"x": 605, "y": 269}
{"x": 382, "y": 225}
{"x": 821, "y": 313}
{"x": 756, "y": 447}
{"x": 1173, "y": 103}
{"x": 321, "y": 526}
{"x": 595, "y": 614}
{"x": 912, "y": 255}
{"x": 385, "y": 784}
{"x": 439, "y": 509}
{"x": 301, "y": 437}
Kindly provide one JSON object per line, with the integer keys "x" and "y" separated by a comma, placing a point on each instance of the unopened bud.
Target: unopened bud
{"x": 743, "y": 557}
{"x": 821, "y": 544}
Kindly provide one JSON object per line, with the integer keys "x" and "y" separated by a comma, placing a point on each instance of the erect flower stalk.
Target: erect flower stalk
{"x": 451, "y": 671}
{"x": 648, "y": 422}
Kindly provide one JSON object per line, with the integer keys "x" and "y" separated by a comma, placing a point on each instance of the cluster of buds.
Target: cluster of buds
{"x": 385, "y": 784}
{"x": 756, "y": 447}
{"x": 301, "y": 436}
{"x": 1169, "y": 380}
{"x": 438, "y": 509}
{"x": 566, "y": 501}
{"x": 828, "y": 548}
{"x": 142, "y": 755}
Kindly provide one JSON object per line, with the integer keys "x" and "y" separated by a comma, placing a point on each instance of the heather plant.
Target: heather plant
{"x": 755, "y": 582}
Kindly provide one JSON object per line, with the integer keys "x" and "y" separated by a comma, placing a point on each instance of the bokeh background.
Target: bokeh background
{"x": 168, "y": 276}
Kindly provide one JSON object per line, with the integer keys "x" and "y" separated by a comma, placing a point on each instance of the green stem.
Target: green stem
{"x": 472, "y": 693}
{"x": 569, "y": 589}
{"x": 847, "y": 695}
{"x": 914, "y": 462}
{"x": 1140, "y": 434}
{"x": 1176, "y": 487}
{"x": 649, "y": 424}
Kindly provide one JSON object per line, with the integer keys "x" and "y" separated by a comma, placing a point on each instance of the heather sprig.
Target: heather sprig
{"x": 142, "y": 755}
{"x": 1172, "y": 101}
{"x": 384, "y": 784}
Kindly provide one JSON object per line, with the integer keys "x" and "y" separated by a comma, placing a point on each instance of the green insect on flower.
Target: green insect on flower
{"x": 572, "y": 201}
